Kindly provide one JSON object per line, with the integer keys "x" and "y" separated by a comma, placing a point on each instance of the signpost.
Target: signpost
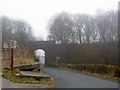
{"x": 12, "y": 57}
{"x": 57, "y": 58}
{"x": 11, "y": 44}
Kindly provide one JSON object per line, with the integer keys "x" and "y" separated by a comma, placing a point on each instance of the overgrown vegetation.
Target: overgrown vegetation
{"x": 85, "y": 39}
{"x": 14, "y": 76}
{"x": 21, "y": 32}
{"x": 20, "y": 57}
{"x": 83, "y": 28}
{"x": 92, "y": 53}
{"x": 102, "y": 70}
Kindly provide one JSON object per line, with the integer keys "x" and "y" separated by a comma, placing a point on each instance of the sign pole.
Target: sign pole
{"x": 12, "y": 54}
{"x": 11, "y": 44}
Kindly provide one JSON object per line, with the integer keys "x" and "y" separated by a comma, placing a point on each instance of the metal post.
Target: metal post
{"x": 12, "y": 54}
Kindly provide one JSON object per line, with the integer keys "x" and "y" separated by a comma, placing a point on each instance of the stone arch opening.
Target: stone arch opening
{"x": 49, "y": 47}
{"x": 40, "y": 56}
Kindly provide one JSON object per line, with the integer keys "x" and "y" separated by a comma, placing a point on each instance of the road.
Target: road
{"x": 68, "y": 79}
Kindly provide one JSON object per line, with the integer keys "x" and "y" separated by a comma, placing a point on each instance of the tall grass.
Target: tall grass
{"x": 21, "y": 56}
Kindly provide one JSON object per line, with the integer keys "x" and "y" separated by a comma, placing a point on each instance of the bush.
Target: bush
{"x": 102, "y": 69}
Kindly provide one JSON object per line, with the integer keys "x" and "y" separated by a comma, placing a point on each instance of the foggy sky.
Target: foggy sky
{"x": 38, "y": 12}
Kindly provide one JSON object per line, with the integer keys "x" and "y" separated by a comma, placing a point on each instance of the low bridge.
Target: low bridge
{"x": 50, "y": 48}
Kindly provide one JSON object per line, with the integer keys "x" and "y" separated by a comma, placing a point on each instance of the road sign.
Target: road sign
{"x": 10, "y": 44}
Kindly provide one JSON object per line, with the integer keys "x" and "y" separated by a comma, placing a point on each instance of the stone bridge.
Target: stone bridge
{"x": 51, "y": 49}
{"x": 92, "y": 53}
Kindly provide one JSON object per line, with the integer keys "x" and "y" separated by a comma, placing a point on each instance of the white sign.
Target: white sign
{"x": 5, "y": 45}
{"x": 10, "y": 44}
{"x": 57, "y": 58}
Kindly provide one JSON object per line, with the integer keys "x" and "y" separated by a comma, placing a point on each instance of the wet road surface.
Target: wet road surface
{"x": 68, "y": 79}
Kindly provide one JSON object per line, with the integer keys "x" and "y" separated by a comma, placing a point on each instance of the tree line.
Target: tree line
{"x": 18, "y": 30}
{"x": 83, "y": 28}
{"x": 86, "y": 39}
{"x": 21, "y": 32}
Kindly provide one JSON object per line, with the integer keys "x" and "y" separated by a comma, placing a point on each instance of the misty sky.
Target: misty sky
{"x": 38, "y": 12}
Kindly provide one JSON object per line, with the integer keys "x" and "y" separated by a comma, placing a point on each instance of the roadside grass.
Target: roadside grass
{"x": 21, "y": 56}
{"x": 1, "y": 69}
{"x": 99, "y": 70}
{"x": 14, "y": 76}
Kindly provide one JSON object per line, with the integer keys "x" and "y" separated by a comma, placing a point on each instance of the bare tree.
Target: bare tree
{"x": 17, "y": 30}
{"x": 78, "y": 27}
{"x": 107, "y": 26}
{"x": 82, "y": 28}
{"x": 61, "y": 29}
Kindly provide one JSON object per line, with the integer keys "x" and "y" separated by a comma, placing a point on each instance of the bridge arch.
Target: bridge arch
{"x": 48, "y": 46}
{"x": 40, "y": 55}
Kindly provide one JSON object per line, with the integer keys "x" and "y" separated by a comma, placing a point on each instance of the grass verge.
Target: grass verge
{"x": 99, "y": 70}
{"x": 14, "y": 76}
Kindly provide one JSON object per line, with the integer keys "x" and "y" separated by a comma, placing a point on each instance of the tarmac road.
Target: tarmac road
{"x": 68, "y": 79}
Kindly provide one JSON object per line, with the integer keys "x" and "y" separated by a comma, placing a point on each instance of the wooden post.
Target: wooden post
{"x": 12, "y": 54}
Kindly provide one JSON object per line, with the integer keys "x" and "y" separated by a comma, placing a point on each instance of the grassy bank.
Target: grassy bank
{"x": 101, "y": 70}
{"x": 14, "y": 76}
{"x": 21, "y": 56}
